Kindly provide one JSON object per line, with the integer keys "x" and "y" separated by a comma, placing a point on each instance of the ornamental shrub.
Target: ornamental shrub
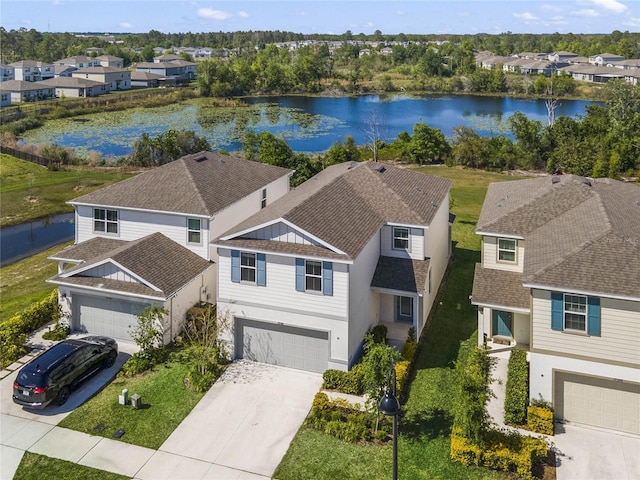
{"x": 346, "y": 382}
{"x": 540, "y": 419}
{"x": 379, "y": 333}
{"x": 402, "y": 376}
{"x": 517, "y": 388}
{"x": 409, "y": 350}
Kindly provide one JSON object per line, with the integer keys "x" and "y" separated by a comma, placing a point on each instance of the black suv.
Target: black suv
{"x": 51, "y": 376}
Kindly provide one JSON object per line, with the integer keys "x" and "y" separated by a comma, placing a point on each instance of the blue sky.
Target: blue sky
{"x": 323, "y": 16}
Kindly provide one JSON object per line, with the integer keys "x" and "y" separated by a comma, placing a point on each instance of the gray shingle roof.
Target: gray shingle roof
{"x": 579, "y": 233}
{"x": 499, "y": 287}
{"x": 200, "y": 184}
{"x": 401, "y": 274}
{"x": 346, "y": 204}
{"x": 155, "y": 258}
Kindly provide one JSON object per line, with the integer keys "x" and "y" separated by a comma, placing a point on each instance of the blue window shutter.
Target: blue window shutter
{"x": 235, "y": 266}
{"x": 262, "y": 269}
{"x": 300, "y": 274}
{"x": 327, "y": 278}
{"x": 557, "y": 308}
{"x": 593, "y": 316}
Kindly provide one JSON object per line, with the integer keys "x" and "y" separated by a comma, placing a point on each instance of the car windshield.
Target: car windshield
{"x": 31, "y": 379}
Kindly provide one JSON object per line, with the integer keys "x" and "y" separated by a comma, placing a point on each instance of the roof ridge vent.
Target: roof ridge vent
{"x": 555, "y": 180}
{"x": 380, "y": 168}
{"x": 200, "y": 157}
{"x": 586, "y": 181}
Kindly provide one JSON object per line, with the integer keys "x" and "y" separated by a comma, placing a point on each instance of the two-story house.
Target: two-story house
{"x": 145, "y": 240}
{"x": 302, "y": 281}
{"x": 115, "y": 78}
{"x": 560, "y": 277}
{"x": 32, "y": 71}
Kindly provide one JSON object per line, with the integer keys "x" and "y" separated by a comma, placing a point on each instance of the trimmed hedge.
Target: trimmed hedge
{"x": 508, "y": 452}
{"x": 540, "y": 420}
{"x": 14, "y": 332}
{"x": 350, "y": 382}
{"x": 517, "y": 389}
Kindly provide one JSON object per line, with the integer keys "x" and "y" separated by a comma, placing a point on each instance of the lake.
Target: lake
{"x": 307, "y": 124}
{"x": 22, "y": 241}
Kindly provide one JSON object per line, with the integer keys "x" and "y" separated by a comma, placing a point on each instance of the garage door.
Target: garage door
{"x": 598, "y": 402}
{"x": 110, "y": 317}
{"x": 282, "y": 345}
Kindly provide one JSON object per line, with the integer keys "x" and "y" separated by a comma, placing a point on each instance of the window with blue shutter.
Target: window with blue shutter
{"x": 300, "y": 274}
{"x": 327, "y": 278}
{"x": 262, "y": 270}
{"x": 557, "y": 309}
{"x": 593, "y": 313}
{"x": 235, "y": 266}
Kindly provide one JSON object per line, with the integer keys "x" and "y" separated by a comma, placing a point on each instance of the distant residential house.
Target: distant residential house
{"x": 64, "y": 70}
{"x": 179, "y": 70}
{"x": 21, "y": 91}
{"x": 144, "y": 79}
{"x": 592, "y": 73}
{"x": 605, "y": 59}
{"x": 168, "y": 57}
{"x": 304, "y": 279}
{"x": 146, "y": 240}
{"x": 110, "y": 61}
{"x": 5, "y": 99}
{"x": 79, "y": 61}
{"x": 116, "y": 78}
{"x": 559, "y": 276}
{"x": 32, "y": 71}
{"x": 7, "y": 72}
{"x": 76, "y": 87}
{"x": 562, "y": 56}
{"x": 94, "y": 50}
{"x": 631, "y": 64}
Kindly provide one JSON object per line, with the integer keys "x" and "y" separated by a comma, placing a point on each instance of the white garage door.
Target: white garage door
{"x": 282, "y": 345}
{"x": 110, "y": 317}
{"x": 598, "y": 402}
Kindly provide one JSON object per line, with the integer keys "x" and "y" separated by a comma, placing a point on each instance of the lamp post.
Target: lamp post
{"x": 390, "y": 406}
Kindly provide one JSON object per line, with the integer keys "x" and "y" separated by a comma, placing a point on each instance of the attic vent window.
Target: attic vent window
{"x": 555, "y": 180}
{"x": 200, "y": 158}
{"x": 380, "y": 168}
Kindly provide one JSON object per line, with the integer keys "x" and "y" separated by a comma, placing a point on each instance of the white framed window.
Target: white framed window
{"x": 194, "y": 231}
{"x": 313, "y": 276}
{"x": 248, "y": 267}
{"x": 575, "y": 312}
{"x": 105, "y": 221}
{"x": 400, "y": 238}
{"x": 507, "y": 250}
{"x": 263, "y": 198}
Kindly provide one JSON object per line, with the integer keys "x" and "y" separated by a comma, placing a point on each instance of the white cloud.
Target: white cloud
{"x": 551, "y": 8}
{"x": 125, "y": 25}
{"x": 211, "y": 14}
{"x": 243, "y": 14}
{"x": 613, "y": 5}
{"x": 526, "y": 16}
{"x": 633, "y": 22}
{"x": 587, "y": 12}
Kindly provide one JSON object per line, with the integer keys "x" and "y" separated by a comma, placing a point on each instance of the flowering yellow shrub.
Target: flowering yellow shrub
{"x": 540, "y": 420}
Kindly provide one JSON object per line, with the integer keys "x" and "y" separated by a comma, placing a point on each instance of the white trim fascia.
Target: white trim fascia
{"x": 408, "y": 225}
{"x": 285, "y": 254}
{"x": 580, "y": 292}
{"x": 109, "y": 260}
{"x": 500, "y": 235}
{"x": 75, "y": 286}
{"x": 401, "y": 293}
{"x": 144, "y": 210}
{"x": 502, "y": 307}
{"x": 288, "y": 223}
{"x": 60, "y": 259}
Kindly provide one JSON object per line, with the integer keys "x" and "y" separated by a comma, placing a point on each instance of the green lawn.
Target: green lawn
{"x": 424, "y": 443}
{"x": 34, "y": 466}
{"x": 29, "y": 191}
{"x": 24, "y": 282}
{"x": 166, "y": 402}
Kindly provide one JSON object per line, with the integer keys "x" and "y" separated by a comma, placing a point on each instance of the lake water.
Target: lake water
{"x": 22, "y": 241}
{"x": 307, "y": 124}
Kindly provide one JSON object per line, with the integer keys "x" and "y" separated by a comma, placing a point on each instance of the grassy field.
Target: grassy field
{"x": 425, "y": 427}
{"x": 34, "y": 466}
{"x": 29, "y": 191}
{"x": 24, "y": 282}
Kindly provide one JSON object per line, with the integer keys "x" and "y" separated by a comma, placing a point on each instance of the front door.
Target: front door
{"x": 404, "y": 309}
{"x": 502, "y": 323}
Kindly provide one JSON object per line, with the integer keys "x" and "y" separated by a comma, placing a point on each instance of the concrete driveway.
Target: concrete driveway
{"x": 584, "y": 453}
{"x": 244, "y": 424}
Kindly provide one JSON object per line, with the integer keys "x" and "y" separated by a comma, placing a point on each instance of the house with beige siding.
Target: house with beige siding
{"x": 560, "y": 277}
{"x": 302, "y": 281}
{"x": 146, "y": 240}
{"x": 116, "y": 78}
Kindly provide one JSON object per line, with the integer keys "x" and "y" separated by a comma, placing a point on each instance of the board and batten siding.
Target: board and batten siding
{"x": 416, "y": 243}
{"x": 619, "y": 331}
{"x": 490, "y": 255}
{"x": 281, "y": 232}
{"x": 280, "y": 291}
{"x": 134, "y": 224}
{"x": 110, "y": 271}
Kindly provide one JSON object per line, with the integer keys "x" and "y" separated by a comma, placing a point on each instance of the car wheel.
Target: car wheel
{"x": 63, "y": 396}
{"x": 111, "y": 359}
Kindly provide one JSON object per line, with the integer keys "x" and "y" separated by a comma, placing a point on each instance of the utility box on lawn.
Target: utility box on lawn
{"x": 136, "y": 401}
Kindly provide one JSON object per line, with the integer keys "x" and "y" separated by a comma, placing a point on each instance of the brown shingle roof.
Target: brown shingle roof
{"x": 281, "y": 247}
{"x": 346, "y": 204}
{"x": 579, "y": 233}
{"x": 500, "y": 288}
{"x": 155, "y": 258}
{"x": 200, "y": 184}
{"x": 84, "y": 251}
{"x": 401, "y": 274}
